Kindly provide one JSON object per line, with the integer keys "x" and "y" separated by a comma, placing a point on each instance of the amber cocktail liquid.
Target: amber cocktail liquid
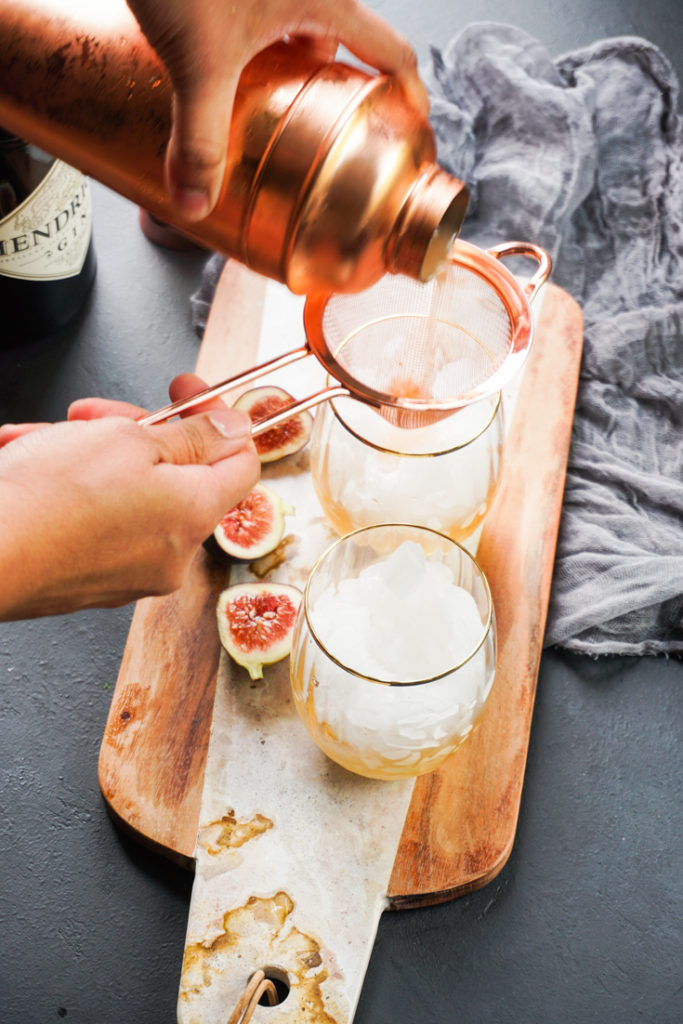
{"x": 444, "y": 350}
{"x": 394, "y": 651}
{"x": 367, "y": 471}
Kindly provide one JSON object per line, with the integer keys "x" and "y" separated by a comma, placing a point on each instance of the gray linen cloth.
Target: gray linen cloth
{"x": 583, "y": 155}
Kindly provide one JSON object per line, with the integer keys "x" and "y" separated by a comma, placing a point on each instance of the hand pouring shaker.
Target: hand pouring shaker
{"x": 332, "y": 178}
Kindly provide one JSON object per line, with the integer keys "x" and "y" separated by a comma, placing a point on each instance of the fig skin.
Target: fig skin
{"x": 252, "y": 529}
{"x": 289, "y": 437}
{"x": 256, "y": 623}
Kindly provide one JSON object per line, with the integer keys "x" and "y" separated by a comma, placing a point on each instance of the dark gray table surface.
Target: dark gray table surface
{"x": 584, "y": 922}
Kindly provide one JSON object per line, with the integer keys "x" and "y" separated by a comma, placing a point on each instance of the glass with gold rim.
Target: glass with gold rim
{"x": 367, "y": 471}
{"x": 394, "y": 650}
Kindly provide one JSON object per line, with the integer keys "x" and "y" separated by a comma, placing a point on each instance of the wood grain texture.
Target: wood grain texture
{"x": 153, "y": 754}
{"x": 462, "y": 819}
{"x": 155, "y": 743}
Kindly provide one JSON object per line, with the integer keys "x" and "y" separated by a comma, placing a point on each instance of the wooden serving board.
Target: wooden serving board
{"x": 462, "y": 819}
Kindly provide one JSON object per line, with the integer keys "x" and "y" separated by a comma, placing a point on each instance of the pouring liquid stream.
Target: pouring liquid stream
{"x": 415, "y": 357}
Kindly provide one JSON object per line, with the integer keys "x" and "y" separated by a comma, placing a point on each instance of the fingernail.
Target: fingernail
{"x": 193, "y": 203}
{"x": 239, "y": 426}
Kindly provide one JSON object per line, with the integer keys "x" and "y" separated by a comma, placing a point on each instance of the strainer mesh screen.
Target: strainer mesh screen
{"x": 434, "y": 341}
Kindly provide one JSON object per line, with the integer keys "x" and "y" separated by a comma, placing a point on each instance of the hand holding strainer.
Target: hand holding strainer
{"x": 416, "y": 352}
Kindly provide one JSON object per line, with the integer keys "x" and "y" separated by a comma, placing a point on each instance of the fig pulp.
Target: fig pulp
{"x": 277, "y": 442}
{"x": 256, "y": 623}
{"x": 255, "y": 526}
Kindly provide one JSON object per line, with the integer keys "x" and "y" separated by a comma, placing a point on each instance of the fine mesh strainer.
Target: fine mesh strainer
{"x": 416, "y": 352}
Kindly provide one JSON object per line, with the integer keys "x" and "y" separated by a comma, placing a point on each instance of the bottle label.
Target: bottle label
{"x": 46, "y": 238}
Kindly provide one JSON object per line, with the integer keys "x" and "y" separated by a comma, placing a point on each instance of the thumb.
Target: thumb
{"x": 204, "y": 439}
{"x": 195, "y": 161}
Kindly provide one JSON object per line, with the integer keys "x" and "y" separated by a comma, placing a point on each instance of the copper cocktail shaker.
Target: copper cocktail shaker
{"x": 332, "y": 178}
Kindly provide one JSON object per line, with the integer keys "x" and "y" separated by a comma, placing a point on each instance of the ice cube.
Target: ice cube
{"x": 404, "y": 618}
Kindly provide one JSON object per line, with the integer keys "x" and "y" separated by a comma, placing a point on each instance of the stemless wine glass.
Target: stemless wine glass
{"x": 394, "y": 650}
{"x": 367, "y": 471}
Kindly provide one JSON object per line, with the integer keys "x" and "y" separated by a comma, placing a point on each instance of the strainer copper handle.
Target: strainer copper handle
{"x": 287, "y": 411}
{"x": 545, "y": 263}
{"x": 352, "y": 338}
{"x": 240, "y": 379}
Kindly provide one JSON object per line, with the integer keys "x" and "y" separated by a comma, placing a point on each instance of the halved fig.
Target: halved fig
{"x": 254, "y": 527}
{"x": 277, "y": 442}
{"x": 256, "y": 623}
